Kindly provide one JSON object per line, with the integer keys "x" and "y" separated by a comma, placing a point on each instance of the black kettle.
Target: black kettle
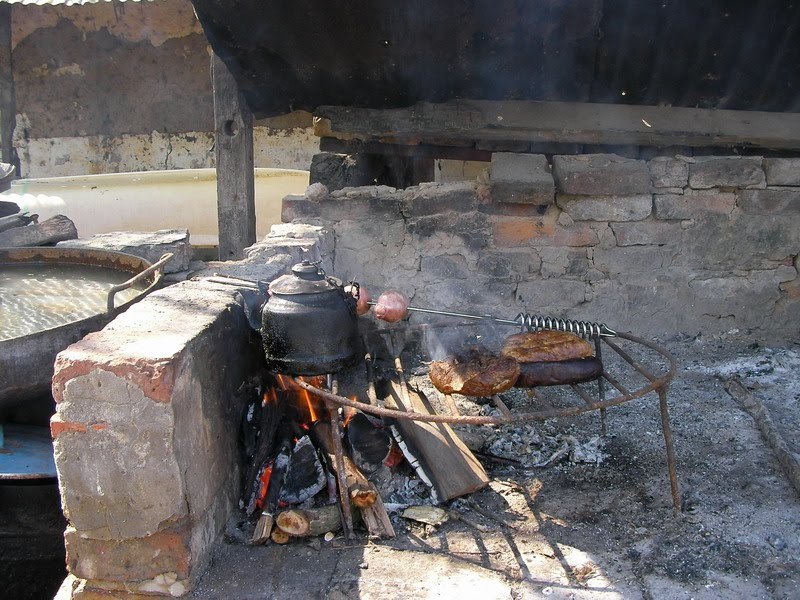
{"x": 309, "y": 324}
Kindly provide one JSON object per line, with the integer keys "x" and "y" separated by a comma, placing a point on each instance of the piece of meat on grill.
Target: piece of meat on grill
{"x": 391, "y": 306}
{"x": 552, "y": 358}
{"x": 474, "y": 372}
{"x": 538, "y": 346}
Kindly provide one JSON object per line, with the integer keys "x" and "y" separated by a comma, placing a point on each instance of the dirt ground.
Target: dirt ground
{"x": 587, "y": 530}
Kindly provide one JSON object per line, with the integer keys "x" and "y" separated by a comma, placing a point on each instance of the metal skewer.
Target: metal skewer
{"x": 529, "y": 322}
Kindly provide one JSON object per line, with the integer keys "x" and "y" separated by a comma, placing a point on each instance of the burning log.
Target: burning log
{"x": 265, "y": 521}
{"x": 271, "y": 413}
{"x": 433, "y": 449}
{"x": 369, "y": 445}
{"x": 310, "y": 521}
{"x": 304, "y": 475}
{"x": 360, "y": 491}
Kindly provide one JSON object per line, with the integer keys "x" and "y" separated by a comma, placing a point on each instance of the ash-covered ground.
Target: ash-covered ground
{"x": 577, "y": 514}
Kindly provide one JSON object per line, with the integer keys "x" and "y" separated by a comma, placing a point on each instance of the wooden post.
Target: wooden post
{"x": 7, "y": 107}
{"x": 233, "y": 135}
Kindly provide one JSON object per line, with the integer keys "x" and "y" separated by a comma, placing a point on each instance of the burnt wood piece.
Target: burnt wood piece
{"x": 446, "y": 461}
{"x": 233, "y": 142}
{"x": 466, "y": 121}
{"x": 368, "y": 445}
{"x": 305, "y": 476}
{"x": 558, "y": 372}
{"x": 272, "y": 413}
{"x": 377, "y": 521}
{"x": 265, "y": 520}
{"x": 53, "y": 230}
{"x": 360, "y": 491}
{"x": 309, "y": 522}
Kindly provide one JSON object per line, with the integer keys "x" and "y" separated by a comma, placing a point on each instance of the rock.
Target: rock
{"x": 668, "y": 172}
{"x": 148, "y": 245}
{"x": 600, "y": 175}
{"x": 777, "y": 542}
{"x": 337, "y": 171}
{"x": 688, "y": 206}
{"x": 606, "y": 208}
{"x": 714, "y": 171}
{"x": 8, "y": 208}
{"x": 521, "y": 178}
{"x": 419, "y": 201}
{"x": 782, "y": 171}
{"x": 642, "y": 233}
{"x": 770, "y": 202}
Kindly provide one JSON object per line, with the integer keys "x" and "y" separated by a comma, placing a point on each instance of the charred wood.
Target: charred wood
{"x": 304, "y": 475}
{"x": 369, "y": 445}
{"x": 360, "y": 491}
{"x": 270, "y": 506}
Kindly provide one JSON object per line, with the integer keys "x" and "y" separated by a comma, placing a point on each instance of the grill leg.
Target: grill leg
{"x": 673, "y": 475}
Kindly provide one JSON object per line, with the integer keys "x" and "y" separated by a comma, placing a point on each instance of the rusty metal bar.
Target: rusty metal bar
{"x": 601, "y": 386}
{"x": 586, "y": 397}
{"x": 631, "y": 361}
{"x": 338, "y": 457}
{"x": 667, "y": 431}
{"x": 613, "y": 381}
{"x": 534, "y": 393}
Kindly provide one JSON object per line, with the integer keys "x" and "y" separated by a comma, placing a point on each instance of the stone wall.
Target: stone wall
{"x": 661, "y": 247}
{"x": 147, "y": 425}
{"x": 111, "y": 87}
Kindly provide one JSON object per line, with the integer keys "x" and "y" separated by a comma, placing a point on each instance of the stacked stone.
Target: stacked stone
{"x": 146, "y": 429}
{"x": 658, "y": 247}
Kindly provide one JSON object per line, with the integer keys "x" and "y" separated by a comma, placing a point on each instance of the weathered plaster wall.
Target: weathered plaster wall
{"x": 659, "y": 247}
{"x": 113, "y": 87}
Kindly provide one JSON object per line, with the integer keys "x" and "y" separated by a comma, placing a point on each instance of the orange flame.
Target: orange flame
{"x": 349, "y": 414}
{"x": 270, "y": 395}
{"x": 307, "y": 397}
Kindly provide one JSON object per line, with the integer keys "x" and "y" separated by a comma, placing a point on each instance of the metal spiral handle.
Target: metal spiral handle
{"x": 529, "y": 322}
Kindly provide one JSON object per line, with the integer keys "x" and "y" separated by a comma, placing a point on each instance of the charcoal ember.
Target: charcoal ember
{"x": 305, "y": 476}
{"x": 369, "y": 445}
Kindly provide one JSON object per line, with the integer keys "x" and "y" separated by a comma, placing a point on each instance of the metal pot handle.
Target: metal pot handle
{"x": 155, "y": 267}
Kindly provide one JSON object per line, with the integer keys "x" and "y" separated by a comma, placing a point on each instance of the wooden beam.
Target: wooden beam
{"x": 7, "y": 107}
{"x": 465, "y": 122}
{"x": 233, "y": 136}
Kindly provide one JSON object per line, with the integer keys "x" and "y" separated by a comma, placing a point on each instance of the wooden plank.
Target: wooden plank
{"x": 463, "y": 121}
{"x": 233, "y": 136}
{"x": 451, "y": 467}
{"x": 7, "y": 108}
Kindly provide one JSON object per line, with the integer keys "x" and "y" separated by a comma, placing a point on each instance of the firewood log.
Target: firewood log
{"x": 279, "y": 536}
{"x": 358, "y": 487}
{"x": 309, "y": 522}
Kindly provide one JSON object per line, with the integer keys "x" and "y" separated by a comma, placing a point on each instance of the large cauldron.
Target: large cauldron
{"x": 309, "y": 324}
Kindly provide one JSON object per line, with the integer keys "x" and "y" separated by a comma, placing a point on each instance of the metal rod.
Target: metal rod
{"x": 601, "y": 386}
{"x": 156, "y": 267}
{"x": 501, "y": 406}
{"x": 667, "y": 431}
{"x": 613, "y": 381}
{"x": 601, "y": 329}
{"x": 631, "y": 361}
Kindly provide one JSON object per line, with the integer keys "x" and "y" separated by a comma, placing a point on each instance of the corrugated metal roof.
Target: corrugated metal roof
{"x": 64, "y": 2}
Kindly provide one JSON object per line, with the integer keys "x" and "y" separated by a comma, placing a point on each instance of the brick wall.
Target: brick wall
{"x": 660, "y": 247}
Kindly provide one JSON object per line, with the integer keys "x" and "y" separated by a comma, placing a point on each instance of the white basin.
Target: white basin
{"x": 151, "y": 200}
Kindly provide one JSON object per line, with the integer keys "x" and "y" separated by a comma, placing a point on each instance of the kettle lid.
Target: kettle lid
{"x": 306, "y": 278}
